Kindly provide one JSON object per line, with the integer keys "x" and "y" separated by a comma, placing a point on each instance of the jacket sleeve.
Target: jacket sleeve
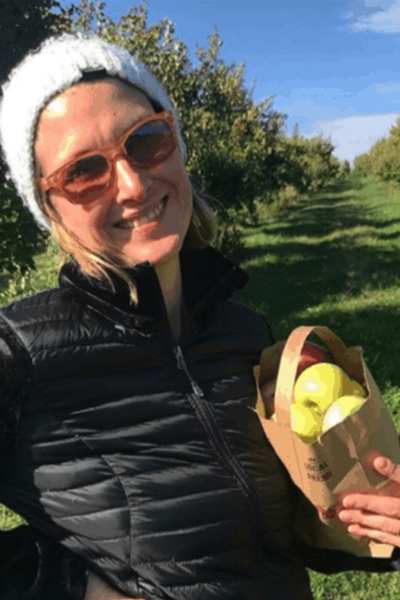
{"x": 32, "y": 567}
{"x": 14, "y": 380}
{"x": 35, "y": 568}
{"x": 7, "y": 379}
{"x": 336, "y": 561}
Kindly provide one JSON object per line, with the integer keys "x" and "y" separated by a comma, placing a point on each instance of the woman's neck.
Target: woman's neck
{"x": 169, "y": 276}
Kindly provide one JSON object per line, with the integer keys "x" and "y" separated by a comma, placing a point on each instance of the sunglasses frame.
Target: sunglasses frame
{"x": 54, "y": 181}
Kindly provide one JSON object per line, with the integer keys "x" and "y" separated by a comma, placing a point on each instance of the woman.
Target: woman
{"x": 127, "y": 392}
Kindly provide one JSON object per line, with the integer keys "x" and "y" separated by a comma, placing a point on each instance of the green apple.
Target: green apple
{"x": 320, "y": 385}
{"x": 340, "y": 409}
{"x": 306, "y": 422}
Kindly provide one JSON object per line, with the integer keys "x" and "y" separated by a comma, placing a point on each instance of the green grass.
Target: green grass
{"x": 42, "y": 277}
{"x": 333, "y": 259}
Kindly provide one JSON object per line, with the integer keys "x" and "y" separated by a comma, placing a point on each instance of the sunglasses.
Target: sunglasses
{"x": 88, "y": 176}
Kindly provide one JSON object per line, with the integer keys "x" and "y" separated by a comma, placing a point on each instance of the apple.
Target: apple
{"x": 357, "y": 389}
{"x": 306, "y": 422}
{"x": 320, "y": 385}
{"x": 310, "y": 355}
{"x": 340, "y": 410}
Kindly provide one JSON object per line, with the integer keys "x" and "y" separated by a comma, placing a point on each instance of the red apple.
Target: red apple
{"x": 310, "y": 355}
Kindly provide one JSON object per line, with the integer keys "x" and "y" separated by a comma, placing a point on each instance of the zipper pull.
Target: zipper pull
{"x": 180, "y": 359}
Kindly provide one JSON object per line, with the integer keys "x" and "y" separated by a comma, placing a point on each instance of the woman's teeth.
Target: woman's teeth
{"x": 146, "y": 218}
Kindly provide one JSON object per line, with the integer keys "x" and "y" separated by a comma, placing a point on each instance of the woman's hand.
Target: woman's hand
{"x": 375, "y": 514}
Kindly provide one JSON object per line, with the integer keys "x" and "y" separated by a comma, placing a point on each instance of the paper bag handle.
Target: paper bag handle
{"x": 290, "y": 360}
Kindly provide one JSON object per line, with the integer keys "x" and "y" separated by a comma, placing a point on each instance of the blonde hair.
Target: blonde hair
{"x": 201, "y": 232}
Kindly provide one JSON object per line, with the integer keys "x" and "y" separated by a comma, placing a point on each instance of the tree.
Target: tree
{"x": 238, "y": 151}
{"x": 231, "y": 140}
{"x": 383, "y": 158}
{"x": 23, "y": 25}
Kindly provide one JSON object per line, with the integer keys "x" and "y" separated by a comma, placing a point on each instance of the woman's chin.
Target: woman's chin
{"x": 157, "y": 252}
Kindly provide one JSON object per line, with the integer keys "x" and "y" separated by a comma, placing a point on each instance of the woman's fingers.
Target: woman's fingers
{"x": 389, "y": 469}
{"x": 371, "y": 520}
{"x": 375, "y": 535}
{"x": 376, "y": 527}
{"x": 376, "y": 514}
{"x": 388, "y": 506}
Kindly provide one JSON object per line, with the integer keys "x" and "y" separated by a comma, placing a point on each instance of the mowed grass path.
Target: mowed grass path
{"x": 335, "y": 260}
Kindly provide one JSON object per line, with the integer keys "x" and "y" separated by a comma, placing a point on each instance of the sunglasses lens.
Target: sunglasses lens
{"x": 88, "y": 174}
{"x": 150, "y": 144}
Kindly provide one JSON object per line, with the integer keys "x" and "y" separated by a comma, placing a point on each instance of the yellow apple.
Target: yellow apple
{"x": 306, "y": 422}
{"x": 340, "y": 409}
{"x": 356, "y": 389}
{"x": 320, "y": 385}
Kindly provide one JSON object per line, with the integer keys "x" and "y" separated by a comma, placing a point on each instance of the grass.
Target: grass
{"x": 333, "y": 260}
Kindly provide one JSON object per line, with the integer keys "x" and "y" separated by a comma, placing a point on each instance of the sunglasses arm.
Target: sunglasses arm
{"x": 44, "y": 184}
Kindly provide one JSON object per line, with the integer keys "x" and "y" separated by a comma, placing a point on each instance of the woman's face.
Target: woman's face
{"x": 146, "y": 215}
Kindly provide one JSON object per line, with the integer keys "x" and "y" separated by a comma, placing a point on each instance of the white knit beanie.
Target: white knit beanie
{"x": 57, "y": 64}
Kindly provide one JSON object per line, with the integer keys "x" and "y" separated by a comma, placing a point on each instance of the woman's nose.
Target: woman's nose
{"x": 130, "y": 182}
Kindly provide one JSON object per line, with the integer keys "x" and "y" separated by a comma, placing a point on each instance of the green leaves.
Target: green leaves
{"x": 238, "y": 149}
{"x": 383, "y": 159}
{"x": 23, "y": 25}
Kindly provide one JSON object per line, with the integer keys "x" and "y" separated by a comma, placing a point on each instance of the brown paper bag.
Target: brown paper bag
{"x": 337, "y": 462}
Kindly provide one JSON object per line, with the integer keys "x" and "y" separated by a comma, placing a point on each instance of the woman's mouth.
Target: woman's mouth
{"x": 148, "y": 216}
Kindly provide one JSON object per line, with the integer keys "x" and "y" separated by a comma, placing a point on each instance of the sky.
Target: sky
{"x": 332, "y": 66}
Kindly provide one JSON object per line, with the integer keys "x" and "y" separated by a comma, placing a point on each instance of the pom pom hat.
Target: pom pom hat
{"x": 60, "y": 62}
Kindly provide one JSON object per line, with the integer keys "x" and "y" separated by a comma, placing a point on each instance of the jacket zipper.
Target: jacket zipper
{"x": 207, "y": 418}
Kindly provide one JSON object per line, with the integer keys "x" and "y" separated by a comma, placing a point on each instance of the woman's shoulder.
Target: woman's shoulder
{"x": 36, "y": 304}
{"x": 27, "y": 319}
{"x": 246, "y": 320}
{"x": 43, "y": 307}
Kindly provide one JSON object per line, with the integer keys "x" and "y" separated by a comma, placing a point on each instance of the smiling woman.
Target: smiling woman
{"x": 122, "y": 188}
{"x": 127, "y": 394}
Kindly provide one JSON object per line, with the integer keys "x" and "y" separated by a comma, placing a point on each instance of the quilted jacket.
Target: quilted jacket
{"x": 140, "y": 458}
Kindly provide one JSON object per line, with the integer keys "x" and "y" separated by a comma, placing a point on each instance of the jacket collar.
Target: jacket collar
{"x": 207, "y": 278}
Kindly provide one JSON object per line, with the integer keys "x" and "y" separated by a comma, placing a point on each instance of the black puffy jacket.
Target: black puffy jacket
{"x": 143, "y": 457}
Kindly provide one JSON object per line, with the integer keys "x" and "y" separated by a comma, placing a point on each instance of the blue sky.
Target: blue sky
{"x": 331, "y": 65}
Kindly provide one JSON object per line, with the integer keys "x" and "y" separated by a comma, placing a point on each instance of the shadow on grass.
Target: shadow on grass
{"x": 298, "y": 276}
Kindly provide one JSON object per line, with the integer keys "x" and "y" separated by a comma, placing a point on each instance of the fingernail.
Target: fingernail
{"x": 382, "y": 463}
{"x": 352, "y": 529}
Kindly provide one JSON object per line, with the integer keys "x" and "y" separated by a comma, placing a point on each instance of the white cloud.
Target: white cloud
{"x": 352, "y": 136}
{"x": 380, "y": 16}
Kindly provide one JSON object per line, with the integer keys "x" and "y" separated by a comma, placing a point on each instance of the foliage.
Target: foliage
{"x": 237, "y": 149}
{"x": 383, "y": 159}
{"x": 23, "y": 25}
{"x": 311, "y": 163}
